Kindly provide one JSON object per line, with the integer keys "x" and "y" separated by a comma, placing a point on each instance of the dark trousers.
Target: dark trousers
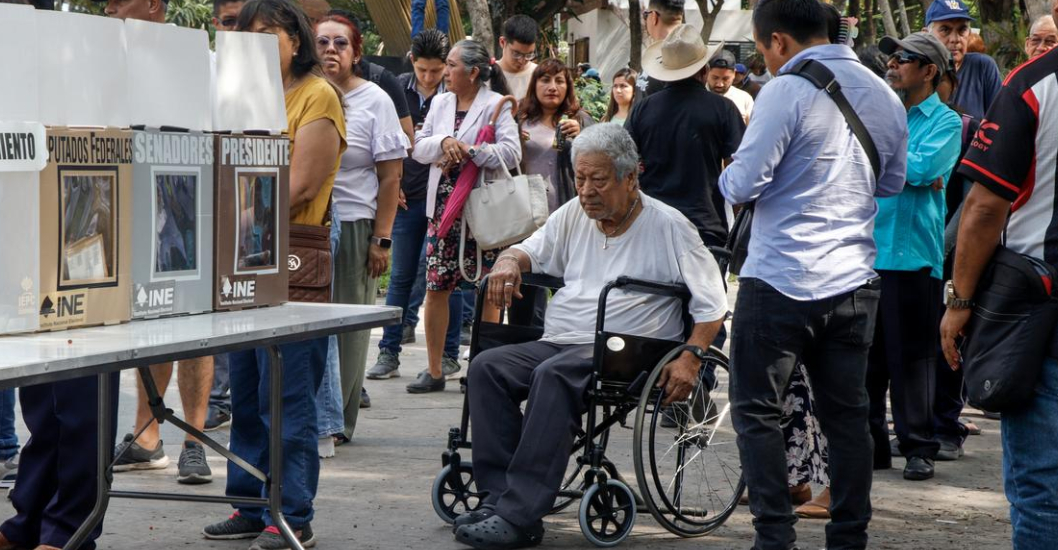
{"x": 520, "y": 459}
{"x": 771, "y": 333}
{"x": 903, "y": 361}
{"x": 56, "y": 488}
{"x": 948, "y": 404}
{"x": 303, "y": 365}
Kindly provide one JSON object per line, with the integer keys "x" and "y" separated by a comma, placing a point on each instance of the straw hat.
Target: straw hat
{"x": 681, "y": 55}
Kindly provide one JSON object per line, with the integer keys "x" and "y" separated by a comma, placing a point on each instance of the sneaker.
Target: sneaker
{"x": 387, "y": 366}
{"x": 365, "y": 399}
{"x": 407, "y": 336}
{"x": 270, "y": 539}
{"x": 235, "y": 527}
{"x": 193, "y": 469}
{"x": 325, "y": 446}
{"x": 425, "y": 383}
{"x": 134, "y": 457}
{"x": 217, "y": 419}
{"x": 450, "y": 367}
{"x": 464, "y": 334}
{"x": 9, "y": 472}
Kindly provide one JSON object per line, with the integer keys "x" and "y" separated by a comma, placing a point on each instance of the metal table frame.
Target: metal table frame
{"x": 345, "y": 319}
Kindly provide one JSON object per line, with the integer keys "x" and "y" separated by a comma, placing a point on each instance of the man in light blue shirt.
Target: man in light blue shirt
{"x": 808, "y": 291}
{"x": 909, "y": 232}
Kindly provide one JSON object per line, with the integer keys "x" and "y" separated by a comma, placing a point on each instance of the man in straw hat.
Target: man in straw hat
{"x": 808, "y": 293}
{"x": 685, "y": 132}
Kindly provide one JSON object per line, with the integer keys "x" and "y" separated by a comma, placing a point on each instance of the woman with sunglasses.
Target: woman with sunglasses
{"x": 366, "y": 193}
{"x": 316, "y": 127}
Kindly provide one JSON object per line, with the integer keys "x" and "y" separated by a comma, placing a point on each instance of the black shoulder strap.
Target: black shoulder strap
{"x": 818, "y": 74}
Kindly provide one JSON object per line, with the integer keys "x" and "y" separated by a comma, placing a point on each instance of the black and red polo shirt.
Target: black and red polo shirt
{"x": 1015, "y": 155}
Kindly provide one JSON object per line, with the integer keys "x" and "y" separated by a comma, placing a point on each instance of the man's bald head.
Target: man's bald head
{"x": 1043, "y": 37}
{"x": 143, "y": 10}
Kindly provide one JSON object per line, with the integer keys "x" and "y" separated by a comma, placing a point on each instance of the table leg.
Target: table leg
{"x": 104, "y": 475}
{"x": 275, "y": 447}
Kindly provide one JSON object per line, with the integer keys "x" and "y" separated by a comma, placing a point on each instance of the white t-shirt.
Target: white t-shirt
{"x": 373, "y": 134}
{"x": 661, "y": 245}
{"x": 519, "y": 82}
{"x": 742, "y": 100}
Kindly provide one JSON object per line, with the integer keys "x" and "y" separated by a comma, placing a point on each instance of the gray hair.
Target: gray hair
{"x": 474, "y": 56}
{"x": 612, "y": 140}
{"x": 1046, "y": 20}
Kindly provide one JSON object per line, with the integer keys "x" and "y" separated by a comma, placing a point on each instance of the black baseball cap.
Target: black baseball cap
{"x": 723, "y": 60}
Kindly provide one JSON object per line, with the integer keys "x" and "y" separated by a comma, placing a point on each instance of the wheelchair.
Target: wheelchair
{"x": 686, "y": 462}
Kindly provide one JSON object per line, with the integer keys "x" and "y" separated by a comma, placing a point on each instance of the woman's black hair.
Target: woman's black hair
{"x": 289, "y": 17}
{"x": 430, "y": 44}
{"x": 474, "y": 56}
{"x": 630, "y": 77}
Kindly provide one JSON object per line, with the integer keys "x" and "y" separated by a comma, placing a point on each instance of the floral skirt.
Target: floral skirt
{"x": 442, "y": 255}
{"x": 806, "y": 447}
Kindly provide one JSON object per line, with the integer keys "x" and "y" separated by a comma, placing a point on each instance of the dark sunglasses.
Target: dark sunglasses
{"x": 905, "y": 57}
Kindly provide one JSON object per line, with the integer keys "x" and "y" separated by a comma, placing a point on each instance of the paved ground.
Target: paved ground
{"x": 375, "y": 494}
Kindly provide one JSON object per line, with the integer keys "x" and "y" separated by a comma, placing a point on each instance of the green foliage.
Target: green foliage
{"x": 593, "y": 96}
{"x": 193, "y": 14}
{"x": 372, "y": 39}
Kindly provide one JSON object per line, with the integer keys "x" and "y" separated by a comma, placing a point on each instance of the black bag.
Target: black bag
{"x": 818, "y": 74}
{"x": 1010, "y": 331}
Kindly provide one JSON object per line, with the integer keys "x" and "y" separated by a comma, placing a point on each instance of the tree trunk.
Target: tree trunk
{"x": 905, "y": 25}
{"x": 635, "y": 28}
{"x": 481, "y": 20}
{"x": 887, "y": 17}
{"x": 708, "y": 16}
{"x": 868, "y": 28}
{"x": 1035, "y": 10}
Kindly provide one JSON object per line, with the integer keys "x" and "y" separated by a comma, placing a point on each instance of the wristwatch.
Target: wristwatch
{"x": 951, "y": 301}
{"x": 384, "y": 243}
{"x": 472, "y": 152}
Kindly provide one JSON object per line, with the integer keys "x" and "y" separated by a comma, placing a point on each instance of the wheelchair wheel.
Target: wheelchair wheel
{"x": 687, "y": 463}
{"x": 573, "y": 482}
{"x": 454, "y": 492}
{"x": 607, "y": 513}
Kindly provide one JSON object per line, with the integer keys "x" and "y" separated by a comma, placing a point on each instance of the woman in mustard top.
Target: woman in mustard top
{"x": 316, "y": 126}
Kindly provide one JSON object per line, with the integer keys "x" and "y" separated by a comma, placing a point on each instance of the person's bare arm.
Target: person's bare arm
{"x": 409, "y": 130}
{"x": 388, "y": 196}
{"x": 679, "y": 377}
{"x": 506, "y": 276}
{"x": 315, "y": 156}
{"x": 983, "y": 218}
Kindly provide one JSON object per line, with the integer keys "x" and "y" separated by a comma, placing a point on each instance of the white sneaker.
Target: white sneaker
{"x": 9, "y": 472}
{"x": 326, "y": 446}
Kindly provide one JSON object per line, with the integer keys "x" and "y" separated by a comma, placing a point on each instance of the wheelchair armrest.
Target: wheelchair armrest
{"x": 650, "y": 287}
{"x": 542, "y": 281}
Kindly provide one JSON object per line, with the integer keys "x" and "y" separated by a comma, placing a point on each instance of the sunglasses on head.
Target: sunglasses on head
{"x": 905, "y": 57}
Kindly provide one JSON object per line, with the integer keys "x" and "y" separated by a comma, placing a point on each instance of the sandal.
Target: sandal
{"x": 496, "y": 533}
{"x": 971, "y": 428}
{"x": 817, "y": 508}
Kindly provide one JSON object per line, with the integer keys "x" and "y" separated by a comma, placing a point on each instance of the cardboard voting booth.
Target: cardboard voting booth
{"x": 22, "y": 156}
{"x": 252, "y": 176}
{"x": 172, "y": 171}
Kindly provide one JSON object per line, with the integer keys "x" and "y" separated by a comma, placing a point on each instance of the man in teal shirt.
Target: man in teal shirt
{"x": 909, "y": 234}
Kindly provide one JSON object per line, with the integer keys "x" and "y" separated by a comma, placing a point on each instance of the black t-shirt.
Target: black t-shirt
{"x": 683, "y": 133}
{"x": 416, "y": 175}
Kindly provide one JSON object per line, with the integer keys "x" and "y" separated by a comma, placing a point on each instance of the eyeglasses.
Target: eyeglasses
{"x": 340, "y": 43}
{"x": 646, "y": 14}
{"x": 905, "y": 57}
{"x": 1049, "y": 41}
{"x": 519, "y": 56}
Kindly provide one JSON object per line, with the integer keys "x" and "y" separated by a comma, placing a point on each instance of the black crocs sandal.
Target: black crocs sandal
{"x": 471, "y": 518}
{"x": 496, "y": 533}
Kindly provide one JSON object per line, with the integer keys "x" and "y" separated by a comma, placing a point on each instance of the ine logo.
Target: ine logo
{"x": 67, "y": 306}
{"x": 156, "y": 297}
{"x": 235, "y": 291}
{"x": 149, "y": 300}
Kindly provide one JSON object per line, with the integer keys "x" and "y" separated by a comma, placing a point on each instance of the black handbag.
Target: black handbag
{"x": 818, "y": 74}
{"x": 1010, "y": 331}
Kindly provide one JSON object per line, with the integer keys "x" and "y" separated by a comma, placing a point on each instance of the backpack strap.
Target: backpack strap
{"x": 818, "y": 74}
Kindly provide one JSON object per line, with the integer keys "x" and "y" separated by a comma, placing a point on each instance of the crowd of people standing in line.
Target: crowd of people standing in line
{"x": 378, "y": 157}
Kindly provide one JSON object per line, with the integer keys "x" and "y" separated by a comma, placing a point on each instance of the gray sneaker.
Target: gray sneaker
{"x": 450, "y": 367}
{"x": 9, "y": 472}
{"x": 387, "y": 366}
{"x": 425, "y": 383}
{"x": 193, "y": 467}
{"x": 134, "y": 457}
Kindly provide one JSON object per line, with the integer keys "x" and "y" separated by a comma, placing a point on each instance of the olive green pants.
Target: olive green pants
{"x": 353, "y": 285}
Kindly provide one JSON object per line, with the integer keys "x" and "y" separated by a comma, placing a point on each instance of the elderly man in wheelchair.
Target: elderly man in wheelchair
{"x": 612, "y": 230}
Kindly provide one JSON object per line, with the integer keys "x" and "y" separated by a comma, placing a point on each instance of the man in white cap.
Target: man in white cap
{"x": 684, "y": 133}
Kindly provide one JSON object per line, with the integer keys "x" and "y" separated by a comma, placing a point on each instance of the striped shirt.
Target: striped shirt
{"x": 1015, "y": 155}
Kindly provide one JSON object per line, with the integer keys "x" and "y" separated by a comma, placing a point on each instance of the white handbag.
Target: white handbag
{"x": 503, "y": 211}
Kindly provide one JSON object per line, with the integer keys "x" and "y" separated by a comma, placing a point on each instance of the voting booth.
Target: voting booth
{"x": 172, "y": 170}
{"x": 252, "y": 175}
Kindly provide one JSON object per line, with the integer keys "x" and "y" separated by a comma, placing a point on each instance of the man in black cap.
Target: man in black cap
{"x": 720, "y": 79}
{"x": 909, "y": 233}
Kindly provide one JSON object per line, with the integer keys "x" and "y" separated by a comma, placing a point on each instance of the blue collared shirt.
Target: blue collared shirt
{"x": 811, "y": 179}
{"x": 909, "y": 229}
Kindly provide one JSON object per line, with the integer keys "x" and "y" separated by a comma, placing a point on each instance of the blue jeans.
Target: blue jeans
{"x": 219, "y": 396}
{"x": 408, "y": 273}
{"x": 303, "y": 366}
{"x": 418, "y": 15}
{"x": 8, "y": 437}
{"x": 330, "y": 418}
{"x": 1030, "y": 464}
